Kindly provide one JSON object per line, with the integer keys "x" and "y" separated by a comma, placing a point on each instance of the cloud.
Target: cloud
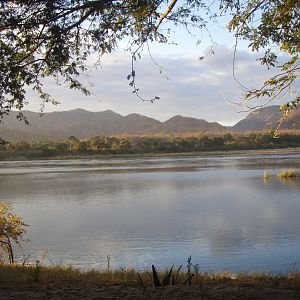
{"x": 187, "y": 86}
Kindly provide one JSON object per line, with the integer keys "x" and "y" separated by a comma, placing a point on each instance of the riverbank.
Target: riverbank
{"x": 138, "y": 145}
{"x": 38, "y": 282}
{"x": 146, "y": 155}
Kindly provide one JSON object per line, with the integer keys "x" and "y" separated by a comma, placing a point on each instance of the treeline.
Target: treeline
{"x": 148, "y": 144}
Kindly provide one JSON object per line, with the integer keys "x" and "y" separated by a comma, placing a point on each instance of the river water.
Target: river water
{"x": 159, "y": 210}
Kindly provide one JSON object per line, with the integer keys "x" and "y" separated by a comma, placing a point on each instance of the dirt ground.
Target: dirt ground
{"x": 218, "y": 290}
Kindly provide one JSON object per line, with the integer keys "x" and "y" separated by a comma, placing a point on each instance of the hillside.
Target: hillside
{"x": 267, "y": 118}
{"x": 82, "y": 124}
{"x": 179, "y": 124}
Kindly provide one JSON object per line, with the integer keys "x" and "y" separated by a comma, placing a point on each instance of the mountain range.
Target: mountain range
{"x": 81, "y": 124}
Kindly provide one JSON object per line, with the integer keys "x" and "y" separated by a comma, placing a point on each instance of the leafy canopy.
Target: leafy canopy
{"x": 42, "y": 38}
{"x": 272, "y": 26}
{"x": 54, "y": 38}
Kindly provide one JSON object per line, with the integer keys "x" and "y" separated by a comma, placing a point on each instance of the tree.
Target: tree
{"x": 43, "y": 38}
{"x": 11, "y": 230}
{"x": 272, "y": 26}
{"x": 54, "y": 38}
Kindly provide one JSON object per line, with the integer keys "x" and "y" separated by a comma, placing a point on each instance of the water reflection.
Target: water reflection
{"x": 217, "y": 209}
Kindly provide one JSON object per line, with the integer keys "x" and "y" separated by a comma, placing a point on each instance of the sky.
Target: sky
{"x": 186, "y": 85}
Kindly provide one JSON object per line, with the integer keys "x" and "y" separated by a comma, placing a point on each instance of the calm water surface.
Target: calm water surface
{"x": 216, "y": 208}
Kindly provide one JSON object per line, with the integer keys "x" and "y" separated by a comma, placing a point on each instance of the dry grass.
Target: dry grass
{"x": 41, "y": 282}
{"x": 13, "y": 273}
{"x": 58, "y": 274}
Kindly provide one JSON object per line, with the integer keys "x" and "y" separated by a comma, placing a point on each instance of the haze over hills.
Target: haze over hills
{"x": 82, "y": 124}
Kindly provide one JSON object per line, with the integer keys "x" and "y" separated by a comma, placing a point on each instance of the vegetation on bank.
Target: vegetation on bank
{"x": 149, "y": 144}
{"x": 15, "y": 273}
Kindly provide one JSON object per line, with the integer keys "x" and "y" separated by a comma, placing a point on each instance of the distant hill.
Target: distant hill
{"x": 13, "y": 135}
{"x": 268, "y": 118}
{"x": 179, "y": 124}
{"x": 81, "y": 124}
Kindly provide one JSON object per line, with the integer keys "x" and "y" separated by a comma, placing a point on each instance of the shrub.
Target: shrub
{"x": 12, "y": 229}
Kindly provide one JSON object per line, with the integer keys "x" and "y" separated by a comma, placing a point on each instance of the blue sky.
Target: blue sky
{"x": 188, "y": 86}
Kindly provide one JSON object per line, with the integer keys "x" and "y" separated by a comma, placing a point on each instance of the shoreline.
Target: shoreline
{"x": 231, "y": 152}
{"x": 39, "y": 282}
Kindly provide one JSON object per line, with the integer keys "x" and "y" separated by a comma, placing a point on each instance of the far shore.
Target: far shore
{"x": 141, "y": 146}
{"x": 145, "y": 155}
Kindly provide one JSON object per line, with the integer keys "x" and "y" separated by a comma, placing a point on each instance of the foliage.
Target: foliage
{"x": 41, "y": 38}
{"x": 11, "y": 230}
{"x": 2, "y": 141}
{"x": 272, "y": 26}
{"x": 150, "y": 144}
{"x": 168, "y": 278}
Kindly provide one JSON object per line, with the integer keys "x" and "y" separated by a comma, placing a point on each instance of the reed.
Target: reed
{"x": 266, "y": 174}
{"x": 287, "y": 173}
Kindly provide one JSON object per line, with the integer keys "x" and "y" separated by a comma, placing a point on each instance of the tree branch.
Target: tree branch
{"x": 165, "y": 14}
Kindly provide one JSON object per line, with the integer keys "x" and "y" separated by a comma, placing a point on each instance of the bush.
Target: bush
{"x": 12, "y": 229}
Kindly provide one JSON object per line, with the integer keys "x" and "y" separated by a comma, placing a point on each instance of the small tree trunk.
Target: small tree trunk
{"x": 8, "y": 248}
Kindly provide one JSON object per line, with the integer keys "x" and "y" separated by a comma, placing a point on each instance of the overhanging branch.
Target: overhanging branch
{"x": 165, "y": 14}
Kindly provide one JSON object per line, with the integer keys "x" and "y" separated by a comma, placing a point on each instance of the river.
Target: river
{"x": 159, "y": 210}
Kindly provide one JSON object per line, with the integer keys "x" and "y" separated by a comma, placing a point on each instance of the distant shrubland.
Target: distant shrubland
{"x": 150, "y": 144}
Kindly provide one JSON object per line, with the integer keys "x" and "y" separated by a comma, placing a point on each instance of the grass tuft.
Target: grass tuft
{"x": 266, "y": 175}
{"x": 287, "y": 173}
